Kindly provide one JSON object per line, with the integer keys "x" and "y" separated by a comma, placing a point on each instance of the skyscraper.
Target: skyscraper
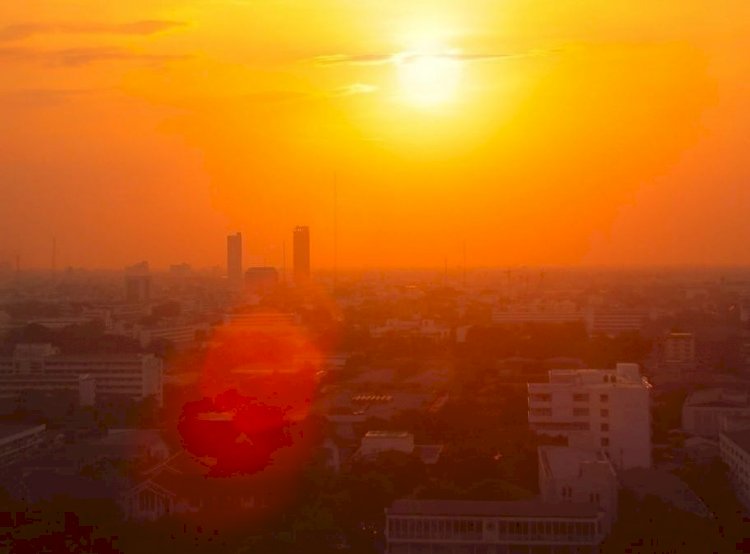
{"x": 301, "y": 254}
{"x": 234, "y": 259}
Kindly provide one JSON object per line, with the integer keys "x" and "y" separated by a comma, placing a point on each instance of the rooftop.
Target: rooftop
{"x": 10, "y": 430}
{"x": 489, "y": 508}
{"x": 718, "y": 397}
{"x": 388, "y": 434}
{"x": 564, "y": 462}
{"x": 740, "y": 438}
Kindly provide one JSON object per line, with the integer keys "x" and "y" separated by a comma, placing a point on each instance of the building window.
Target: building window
{"x": 541, "y": 397}
{"x": 605, "y": 426}
{"x": 605, "y": 441}
{"x": 580, "y": 397}
{"x": 604, "y": 413}
{"x": 580, "y": 411}
{"x": 604, "y": 397}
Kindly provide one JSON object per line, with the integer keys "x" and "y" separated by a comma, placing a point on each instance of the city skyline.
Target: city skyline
{"x": 366, "y": 277}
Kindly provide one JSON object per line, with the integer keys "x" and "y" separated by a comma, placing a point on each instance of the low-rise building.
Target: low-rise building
{"x": 735, "y": 452}
{"x": 453, "y": 526}
{"x": 18, "y": 442}
{"x": 704, "y": 410}
{"x": 181, "y": 335}
{"x": 375, "y": 442}
{"x": 35, "y": 367}
{"x": 578, "y": 476}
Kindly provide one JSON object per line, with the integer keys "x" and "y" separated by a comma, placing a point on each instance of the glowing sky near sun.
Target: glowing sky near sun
{"x": 535, "y": 132}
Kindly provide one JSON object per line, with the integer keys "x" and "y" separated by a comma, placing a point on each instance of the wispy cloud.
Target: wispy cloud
{"x": 145, "y": 27}
{"x": 357, "y": 59}
{"x": 355, "y": 88}
{"x": 71, "y": 57}
{"x": 292, "y": 96}
{"x": 275, "y": 96}
{"x": 383, "y": 58}
{"x": 40, "y": 97}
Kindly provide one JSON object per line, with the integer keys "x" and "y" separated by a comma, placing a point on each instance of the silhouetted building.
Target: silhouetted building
{"x": 301, "y": 254}
{"x": 234, "y": 259}
{"x": 180, "y": 270}
{"x": 261, "y": 279}
{"x": 137, "y": 283}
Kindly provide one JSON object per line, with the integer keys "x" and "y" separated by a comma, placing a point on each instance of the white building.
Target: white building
{"x": 421, "y": 327}
{"x": 704, "y": 410}
{"x": 181, "y": 335}
{"x": 596, "y": 409}
{"x": 578, "y": 476}
{"x": 614, "y": 322}
{"x": 375, "y": 442}
{"x": 458, "y": 526}
{"x": 735, "y": 452}
{"x": 42, "y": 367}
{"x": 538, "y": 312}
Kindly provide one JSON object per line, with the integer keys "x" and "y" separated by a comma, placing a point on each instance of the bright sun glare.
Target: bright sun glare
{"x": 428, "y": 78}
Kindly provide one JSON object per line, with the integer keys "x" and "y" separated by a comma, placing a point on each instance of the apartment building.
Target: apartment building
{"x": 605, "y": 410}
{"x": 42, "y": 366}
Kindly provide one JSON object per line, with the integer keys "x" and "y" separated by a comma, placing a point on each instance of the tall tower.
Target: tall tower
{"x": 234, "y": 259}
{"x": 301, "y": 254}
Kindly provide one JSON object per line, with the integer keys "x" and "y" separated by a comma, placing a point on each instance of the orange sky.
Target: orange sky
{"x": 574, "y": 132}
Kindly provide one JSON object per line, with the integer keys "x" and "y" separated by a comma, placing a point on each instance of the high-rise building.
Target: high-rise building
{"x": 234, "y": 259}
{"x": 137, "y": 283}
{"x": 605, "y": 410}
{"x": 301, "y": 254}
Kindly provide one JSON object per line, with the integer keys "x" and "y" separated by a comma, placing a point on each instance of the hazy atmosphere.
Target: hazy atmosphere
{"x": 533, "y": 132}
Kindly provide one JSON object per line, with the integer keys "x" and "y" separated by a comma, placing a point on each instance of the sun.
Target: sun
{"x": 428, "y": 78}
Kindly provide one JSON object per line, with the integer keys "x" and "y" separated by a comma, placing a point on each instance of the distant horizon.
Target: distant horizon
{"x": 436, "y": 268}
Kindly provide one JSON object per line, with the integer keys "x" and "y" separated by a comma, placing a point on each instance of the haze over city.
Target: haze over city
{"x": 359, "y": 277}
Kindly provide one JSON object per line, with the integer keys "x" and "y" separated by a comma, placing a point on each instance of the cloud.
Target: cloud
{"x": 145, "y": 27}
{"x": 71, "y": 57}
{"x": 40, "y": 97}
{"x": 275, "y": 96}
{"x": 382, "y": 59}
{"x": 355, "y": 88}
{"x": 359, "y": 59}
